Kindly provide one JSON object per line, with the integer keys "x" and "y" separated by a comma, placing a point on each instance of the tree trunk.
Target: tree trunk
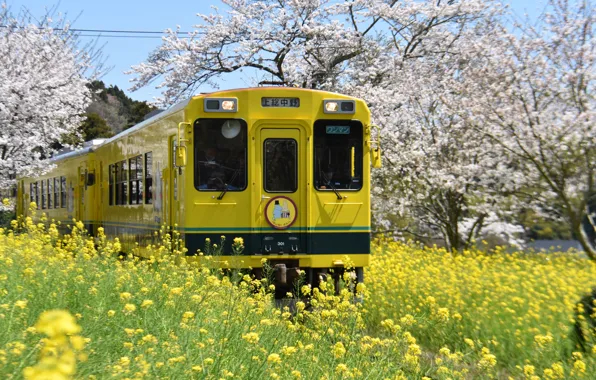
{"x": 584, "y": 240}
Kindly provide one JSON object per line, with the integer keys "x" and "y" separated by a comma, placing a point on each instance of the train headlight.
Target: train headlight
{"x": 339, "y": 106}
{"x": 331, "y": 107}
{"x": 228, "y": 105}
{"x": 220, "y": 105}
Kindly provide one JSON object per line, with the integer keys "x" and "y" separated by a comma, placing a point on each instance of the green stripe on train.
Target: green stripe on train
{"x": 232, "y": 229}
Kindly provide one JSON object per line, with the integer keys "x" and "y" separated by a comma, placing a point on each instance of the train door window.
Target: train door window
{"x": 63, "y": 192}
{"x": 148, "y": 178}
{"x": 31, "y": 193}
{"x": 221, "y": 147}
{"x": 174, "y": 171}
{"x": 111, "y": 174}
{"x": 281, "y": 165}
{"x": 43, "y": 195}
{"x": 56, "y": 192}
{"x": 50, "y": 188}
{"x": 338, "y": 155}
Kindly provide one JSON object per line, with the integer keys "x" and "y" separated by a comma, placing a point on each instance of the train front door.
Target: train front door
{"x": 282, "y": 190}
{"x": 173, "y": 187}
{"x": 80, "y": 211}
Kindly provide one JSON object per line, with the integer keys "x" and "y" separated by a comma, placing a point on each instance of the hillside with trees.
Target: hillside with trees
{"x": 111, "y": 111}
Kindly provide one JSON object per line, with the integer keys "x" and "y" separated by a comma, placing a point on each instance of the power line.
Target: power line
{"x": 103, "y": 30}
{"x": 116, "y": 36}
{"x": 119, "y": 31}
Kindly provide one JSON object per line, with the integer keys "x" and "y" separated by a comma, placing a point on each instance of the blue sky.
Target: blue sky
{"x": 153, "y": 15}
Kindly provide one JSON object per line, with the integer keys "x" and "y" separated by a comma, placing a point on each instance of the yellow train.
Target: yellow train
{"x": 286, "y": 169}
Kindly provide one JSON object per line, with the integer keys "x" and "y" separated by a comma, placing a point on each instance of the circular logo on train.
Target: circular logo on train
{"x": 281, "y": 212}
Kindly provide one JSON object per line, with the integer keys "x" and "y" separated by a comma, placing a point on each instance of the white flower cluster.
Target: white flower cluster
{"x": 43, "y": 93}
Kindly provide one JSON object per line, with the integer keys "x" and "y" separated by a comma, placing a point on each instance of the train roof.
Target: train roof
{"x": 90, "y": 146}
{"x": 172, "y": 110}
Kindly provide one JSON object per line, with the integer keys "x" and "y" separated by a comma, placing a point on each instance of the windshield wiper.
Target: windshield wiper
{"x": 332, "y": 187}
{"x": 225, "y": 190}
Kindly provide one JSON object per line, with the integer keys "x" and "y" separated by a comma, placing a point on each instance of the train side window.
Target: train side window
{"x": 63, "y": 192}
{"x": 43, "y": 194}
{"x": 124, "y": 184}
{"x": 221, "y": 147}
{"x": 338, "y": 155}
{"x": 111, "y": 174}
{"x": 37, "y": 195}
{"x": 50, "y": 188}
{"x": 135, "y": 167}
{"x": 140, "y": 179}
{"x": 281, "y": 165}
{"x": 148, "y": 178}
{"x": 118, "y": 170}
{"x": 56, "y": 192}
{"x": 132, "y": 176}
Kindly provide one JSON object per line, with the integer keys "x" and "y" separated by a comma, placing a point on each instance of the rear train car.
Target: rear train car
{"x": 285, "y": 169}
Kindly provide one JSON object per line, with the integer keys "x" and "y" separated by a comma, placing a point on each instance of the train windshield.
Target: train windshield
{"x": 220, "y": 154}
{"x": 338, "y": 155}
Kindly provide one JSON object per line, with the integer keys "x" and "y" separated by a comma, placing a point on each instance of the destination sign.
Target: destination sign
{"x": 280, "y": 102}
{"x": 338, "y": 130}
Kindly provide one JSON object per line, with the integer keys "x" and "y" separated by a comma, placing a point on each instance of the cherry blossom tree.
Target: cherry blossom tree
{"x": 43, "y": 93}
{"x": 442, "y": 180}
{"x": 533, "y": 98}
{"x": 306, "y": 43}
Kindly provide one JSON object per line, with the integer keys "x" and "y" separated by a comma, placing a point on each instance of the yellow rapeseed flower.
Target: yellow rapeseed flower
{"x": 188, "y": 315}
{"x": 274, "y": 359}
{"x": 339, "y": 350}
{"x": 54, "y": 323}
{"x": 125, "y": 296}
{"x": 251, "y": 337}
{"x": 289, "y": 350}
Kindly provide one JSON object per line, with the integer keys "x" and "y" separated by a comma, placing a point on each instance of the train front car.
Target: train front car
{"x": 285, "y": 170}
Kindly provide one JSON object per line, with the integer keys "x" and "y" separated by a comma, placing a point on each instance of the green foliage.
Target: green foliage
{"x": 6, "y": 217}
{"x": 138, "y": 112}
{"x": 95, "y": 127}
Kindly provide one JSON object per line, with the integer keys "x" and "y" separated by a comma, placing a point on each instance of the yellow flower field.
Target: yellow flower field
{"x": 517, "y": 309}
{"x": 70, "y": 308}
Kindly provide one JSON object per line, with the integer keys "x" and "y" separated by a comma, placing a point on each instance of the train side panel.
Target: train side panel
{"x": 136, "y": 183}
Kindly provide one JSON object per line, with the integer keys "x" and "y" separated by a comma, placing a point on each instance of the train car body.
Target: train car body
{"x": 285, "y": 169}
